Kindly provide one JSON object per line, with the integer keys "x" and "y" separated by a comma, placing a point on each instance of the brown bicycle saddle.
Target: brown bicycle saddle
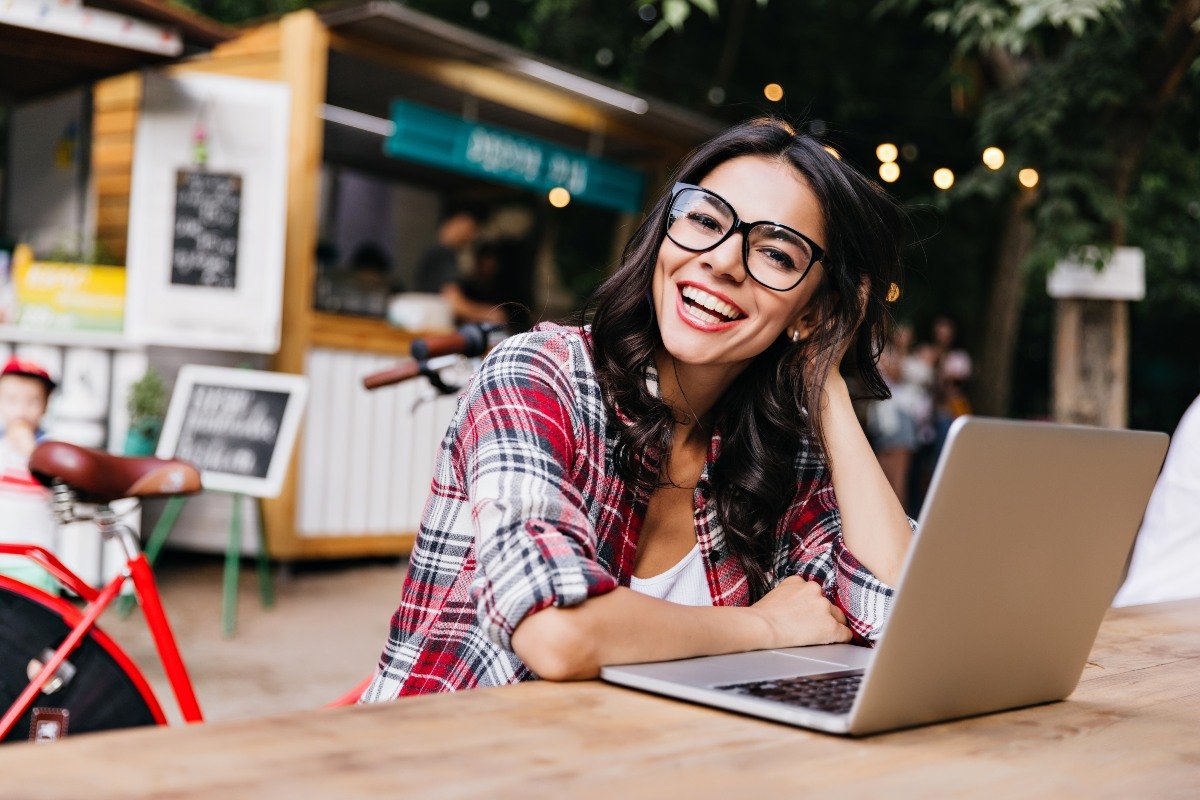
{"x": 99, "y": 477}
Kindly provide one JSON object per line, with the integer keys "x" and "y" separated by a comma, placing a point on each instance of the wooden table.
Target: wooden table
{"x": 1131, "y": 729}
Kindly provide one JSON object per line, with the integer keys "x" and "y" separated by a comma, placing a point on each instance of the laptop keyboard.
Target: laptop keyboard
{"x": 831, "y": 692}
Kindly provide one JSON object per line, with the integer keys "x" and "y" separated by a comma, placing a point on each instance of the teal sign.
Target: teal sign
{"x": 432, "y": 137}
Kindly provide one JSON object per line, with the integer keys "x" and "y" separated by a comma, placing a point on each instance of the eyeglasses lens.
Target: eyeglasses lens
{"x": 776, "y": 256}
{"x": 699, "y": 220}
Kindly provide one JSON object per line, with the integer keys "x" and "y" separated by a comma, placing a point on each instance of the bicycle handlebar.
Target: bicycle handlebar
{"x": 469, "y": 340}
{"x": 397, "y": 374}
{"x": 436, "y": 352}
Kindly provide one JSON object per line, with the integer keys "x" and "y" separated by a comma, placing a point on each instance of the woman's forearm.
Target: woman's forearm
{"x": 626, "y": 627}
{"x": 874, "y": 526}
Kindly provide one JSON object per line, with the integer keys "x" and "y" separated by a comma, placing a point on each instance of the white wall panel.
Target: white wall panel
{"x": 367, "y": 459}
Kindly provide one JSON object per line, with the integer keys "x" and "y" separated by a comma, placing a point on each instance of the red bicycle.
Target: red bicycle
{"x": 59, "y": 672}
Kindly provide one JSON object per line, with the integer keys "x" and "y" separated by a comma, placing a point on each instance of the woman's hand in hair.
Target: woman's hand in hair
{"x": 833, "y": 371}
{"x": 860, "y": 311}
{"x": 796, "y": 612}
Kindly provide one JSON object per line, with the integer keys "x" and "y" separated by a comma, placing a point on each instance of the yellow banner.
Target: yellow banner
{"x": 81, "y": 297}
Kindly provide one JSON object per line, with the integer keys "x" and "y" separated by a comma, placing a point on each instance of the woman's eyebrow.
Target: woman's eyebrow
{"x": 777, "y": 232}
{"x": 715, "y": 202}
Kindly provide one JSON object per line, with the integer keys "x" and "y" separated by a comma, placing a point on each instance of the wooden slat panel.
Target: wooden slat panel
{"x": 114, "y": 122}
{"x": 116, "y": 154}
{"x": 113, "y": 215}
{"x": 123, "y": 91}
{"x": 113, "y": 185}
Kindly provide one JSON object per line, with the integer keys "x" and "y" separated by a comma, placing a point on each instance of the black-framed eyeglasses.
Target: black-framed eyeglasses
{"x": 775, "y": 255}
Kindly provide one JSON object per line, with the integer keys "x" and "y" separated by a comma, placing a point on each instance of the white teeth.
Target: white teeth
{"x": 703, "y": 298}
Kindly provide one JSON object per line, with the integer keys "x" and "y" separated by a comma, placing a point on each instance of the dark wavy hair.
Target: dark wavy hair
{"x": 760, "y": 414}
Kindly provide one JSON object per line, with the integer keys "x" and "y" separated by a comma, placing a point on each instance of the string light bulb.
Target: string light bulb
{"x": 889, "y": 171}
{"x": 943, "y": 178}
{"x": 887, "y": 152}
{"x": 993, "y": 158}
{"x": 559, "y": 197}
{"x": 773, "y": 92}
{"x": 1028, "y": 177}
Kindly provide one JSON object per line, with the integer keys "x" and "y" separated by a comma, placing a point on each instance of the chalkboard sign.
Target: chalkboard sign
{"x": 237, "y": 425}
{"x": 208, "y": 210}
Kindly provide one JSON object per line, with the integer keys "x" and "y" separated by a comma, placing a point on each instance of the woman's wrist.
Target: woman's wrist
{"x": 757, "y": 629}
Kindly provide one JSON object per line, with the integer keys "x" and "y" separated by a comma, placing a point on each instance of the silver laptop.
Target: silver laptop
{"x": 1021, "y": 546}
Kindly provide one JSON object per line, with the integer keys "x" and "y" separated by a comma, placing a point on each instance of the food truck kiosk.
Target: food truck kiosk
{"x": 348, "y": 130}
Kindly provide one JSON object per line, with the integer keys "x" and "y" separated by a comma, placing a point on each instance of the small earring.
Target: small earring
{"x": 795, "y": 335}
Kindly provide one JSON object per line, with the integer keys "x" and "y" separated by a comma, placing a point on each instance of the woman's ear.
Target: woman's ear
{"x": 804, "y": 324}
{"x": 808, "y": 320}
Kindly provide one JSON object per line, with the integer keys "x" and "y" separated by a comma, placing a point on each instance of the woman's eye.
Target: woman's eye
{"x": 704, "y": 221}
{"x": 778, "y": 258}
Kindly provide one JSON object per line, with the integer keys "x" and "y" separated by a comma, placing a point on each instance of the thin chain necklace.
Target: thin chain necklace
{"x": 695, "y": 418}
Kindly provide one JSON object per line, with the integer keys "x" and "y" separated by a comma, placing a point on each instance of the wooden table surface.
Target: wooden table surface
{"x": 1131, "y": 729}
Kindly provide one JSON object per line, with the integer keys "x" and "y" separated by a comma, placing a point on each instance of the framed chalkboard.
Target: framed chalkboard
{"x": 208, "y": 212}
{"x": 237, "y": 425}
{"x": 167, "y": 301}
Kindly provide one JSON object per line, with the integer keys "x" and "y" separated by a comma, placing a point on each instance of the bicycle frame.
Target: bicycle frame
{"x": 137, "y": 569}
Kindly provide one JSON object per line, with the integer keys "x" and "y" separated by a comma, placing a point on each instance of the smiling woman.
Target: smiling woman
{"x": 685, "y": 475}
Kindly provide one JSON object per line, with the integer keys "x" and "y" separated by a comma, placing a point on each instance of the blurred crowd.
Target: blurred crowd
{"x": 928, "y": 380}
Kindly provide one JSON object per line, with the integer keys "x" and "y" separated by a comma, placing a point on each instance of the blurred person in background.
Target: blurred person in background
{"x": 903, "y": 422}
{"x": 25, "y": 516}
{"x": 1166, "y": 557}
{"x": 439, "y": 272}
{"x": 439, "y": 266}
{"x": 951, "y": 369}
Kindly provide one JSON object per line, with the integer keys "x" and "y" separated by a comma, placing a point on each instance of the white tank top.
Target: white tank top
{"x": 685, "y": 583}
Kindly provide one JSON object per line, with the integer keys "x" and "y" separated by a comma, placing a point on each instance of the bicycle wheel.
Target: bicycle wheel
{"x": 106, "y": 689}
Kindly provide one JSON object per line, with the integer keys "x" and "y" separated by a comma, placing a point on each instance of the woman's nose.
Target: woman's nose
{"x": 726, "y": 259}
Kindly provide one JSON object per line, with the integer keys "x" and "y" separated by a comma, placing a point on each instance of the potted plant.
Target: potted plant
{"x": 147, "y": 404}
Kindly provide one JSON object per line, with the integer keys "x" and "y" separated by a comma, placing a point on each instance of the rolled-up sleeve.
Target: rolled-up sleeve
{"x": 819, "y": 554}
{"x": 519, "y": 444}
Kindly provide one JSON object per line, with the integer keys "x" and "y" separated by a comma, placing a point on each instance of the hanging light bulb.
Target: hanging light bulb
{"x": 559, "y": 197}
{"x": 943, "y": 178}
{"x": 1028, "y": 177}
{"x": 889, "y": 171}
{"x": 993, "y": 158}
{"x": 773, "y": 92}
{"x": 886, "y": 152}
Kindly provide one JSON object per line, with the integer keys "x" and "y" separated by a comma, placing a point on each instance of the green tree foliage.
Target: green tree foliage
{"x": 1084, "y": 92}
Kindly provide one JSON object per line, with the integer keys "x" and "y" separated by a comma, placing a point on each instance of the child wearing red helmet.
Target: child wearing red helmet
{"x": 25, "y": 516}
{"x": 24, "y": 392}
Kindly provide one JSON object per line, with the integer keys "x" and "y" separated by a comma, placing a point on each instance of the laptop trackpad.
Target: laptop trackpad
{"x": 755, "y": 666}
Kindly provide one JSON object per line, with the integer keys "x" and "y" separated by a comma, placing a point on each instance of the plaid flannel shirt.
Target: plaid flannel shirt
{"x": 527, "y": 511}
